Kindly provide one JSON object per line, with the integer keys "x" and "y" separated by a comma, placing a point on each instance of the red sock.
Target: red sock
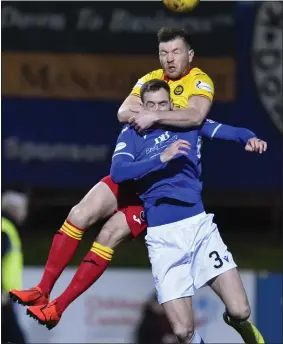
{"x": 91, "y": 268}
{"x": 63, "y": 248}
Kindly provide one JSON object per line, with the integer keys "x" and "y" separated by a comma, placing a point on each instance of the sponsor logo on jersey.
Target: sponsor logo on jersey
{"x": 162, "y": 138}
{"x": 163, "y": 142}
{"x": 267, "y": 59}
{"x": 204, "y": 86}
{"x": 120, "y": 146}
{"x": 179, "y": 90}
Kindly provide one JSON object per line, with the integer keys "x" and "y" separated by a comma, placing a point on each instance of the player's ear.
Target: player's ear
{"x": 191, "y": 54}
{"x": 171, "y": 105}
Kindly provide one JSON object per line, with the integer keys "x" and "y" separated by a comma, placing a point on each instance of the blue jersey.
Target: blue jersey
{"x": 138, "y": 157}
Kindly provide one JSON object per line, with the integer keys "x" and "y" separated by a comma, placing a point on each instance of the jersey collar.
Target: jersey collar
{"x": 165, "y": 77}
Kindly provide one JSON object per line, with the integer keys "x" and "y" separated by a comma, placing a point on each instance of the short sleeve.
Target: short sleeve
{"x": 156, "y": 74}
{"x": 202, "y": 86}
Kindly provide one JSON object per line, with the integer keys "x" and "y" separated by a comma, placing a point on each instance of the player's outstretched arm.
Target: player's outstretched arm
{"x": 216, "y": 130}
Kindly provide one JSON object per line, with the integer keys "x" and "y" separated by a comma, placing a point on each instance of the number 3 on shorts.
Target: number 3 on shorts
{"x": 215, "y": 255}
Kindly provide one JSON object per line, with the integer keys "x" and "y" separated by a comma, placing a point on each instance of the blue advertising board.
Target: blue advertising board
{"x": 57, "y": 143}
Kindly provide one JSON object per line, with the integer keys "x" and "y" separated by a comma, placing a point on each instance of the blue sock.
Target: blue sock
{"x": 197, "y": 338}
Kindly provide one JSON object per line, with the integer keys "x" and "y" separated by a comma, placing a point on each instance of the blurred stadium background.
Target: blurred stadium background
{"x": 66, "y": 67}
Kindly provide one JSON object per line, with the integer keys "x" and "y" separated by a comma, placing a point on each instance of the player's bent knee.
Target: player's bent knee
{"x": 241, "y": 312}
{"x": 182, "y": 332}
{"x": 81, "y": 216}
{"x": 99, "y": 203}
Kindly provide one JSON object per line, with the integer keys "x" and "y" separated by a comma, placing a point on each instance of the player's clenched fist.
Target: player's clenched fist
{"x": 256, "y": 145}
{"x": 178, "y": 147}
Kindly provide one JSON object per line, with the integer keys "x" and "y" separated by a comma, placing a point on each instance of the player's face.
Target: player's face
{"x": 175, "y": 58}
{"x": 157, "y": 101}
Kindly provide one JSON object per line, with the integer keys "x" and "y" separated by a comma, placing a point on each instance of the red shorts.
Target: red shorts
{"x": 129, "y": 204}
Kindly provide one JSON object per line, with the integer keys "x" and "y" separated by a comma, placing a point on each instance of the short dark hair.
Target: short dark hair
{"x": 153, "y": 86}
{"x": 167, "y": 34}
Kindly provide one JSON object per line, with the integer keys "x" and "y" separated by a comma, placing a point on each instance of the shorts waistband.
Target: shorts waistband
{"x": 189, "y": 221}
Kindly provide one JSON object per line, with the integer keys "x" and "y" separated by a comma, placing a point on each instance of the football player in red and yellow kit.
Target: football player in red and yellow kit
{"x": 192, "y": 92}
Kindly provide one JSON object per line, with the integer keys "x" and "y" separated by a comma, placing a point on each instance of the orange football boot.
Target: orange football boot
{"x": 45, "y": 315}
{"x": 29, "y": 297}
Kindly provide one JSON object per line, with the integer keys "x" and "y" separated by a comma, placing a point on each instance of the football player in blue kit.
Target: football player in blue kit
{"x": 184, "y": 245}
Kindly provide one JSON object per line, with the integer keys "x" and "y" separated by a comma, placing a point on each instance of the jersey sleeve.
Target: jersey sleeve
{"x": 215, "y": 130}
{"x": 202, "y": 86}
{"x": 136, "y": 89}
{"x": 126, "y": 144}
{"x": 124, "y": 167}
